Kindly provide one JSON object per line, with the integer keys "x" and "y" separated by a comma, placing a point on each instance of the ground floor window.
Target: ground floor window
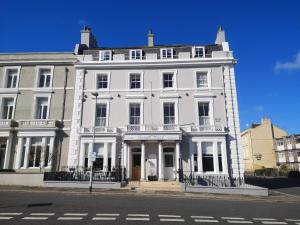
{"x": 219, "y": 146}
{"x": 35, "y": 152}
{"x": 2, "y": 151}
{"x": 207, "y": 156}
{"x": 195, "y": 162}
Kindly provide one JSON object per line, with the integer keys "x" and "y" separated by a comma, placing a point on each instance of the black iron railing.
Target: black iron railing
{"x": 193, "y": 179}
{"x": 116, "y": 175}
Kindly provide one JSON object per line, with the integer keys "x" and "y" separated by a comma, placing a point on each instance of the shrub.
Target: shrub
{"x": 294, "y": 174}
{"x": 7, "y": 170}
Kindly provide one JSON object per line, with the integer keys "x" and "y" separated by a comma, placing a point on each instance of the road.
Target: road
{"x": 18, "y": 207}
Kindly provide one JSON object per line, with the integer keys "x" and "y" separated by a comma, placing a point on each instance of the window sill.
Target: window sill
{"x": 43, "y": 90}
{"x": 9, "y": 91}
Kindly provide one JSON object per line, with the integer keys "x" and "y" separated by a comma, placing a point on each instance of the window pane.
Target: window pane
{"x": 168, "y": 160}
{"x": 42, "y": 81}
{"x": 203, "y": 109}
{"x": 169, "y": 113}
{"x": 168, "y": 80}
{"x": 202, "y": 79}
{"x": 134, "y": 117}
{"x": 48, "y": 79}
{"x": 207, "y": 156}
{"x": 100, "y": 119}
{"x": 9, "y": 81}
{"x": 135, "y": 81}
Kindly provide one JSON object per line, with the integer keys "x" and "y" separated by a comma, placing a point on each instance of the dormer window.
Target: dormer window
{"x": 105, "y": 55}
{"x": 166, "y": 53}
{"x": 135, "y": 54}
{"x": 198, "y": 52}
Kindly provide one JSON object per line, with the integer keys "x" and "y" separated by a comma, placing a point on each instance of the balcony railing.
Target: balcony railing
{"x": 88, "y": 130}
{"x": 7, "y": 123}
{"x": 142, "y": 127}
{"x": 206, "y": 128}
{"x": 38, "y": 123}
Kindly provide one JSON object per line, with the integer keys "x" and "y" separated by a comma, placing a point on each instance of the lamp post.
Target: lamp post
{"x": 92, "y": 157}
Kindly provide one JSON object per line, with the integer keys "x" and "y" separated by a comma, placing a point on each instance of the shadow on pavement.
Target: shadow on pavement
{"x": 273, "y": 182}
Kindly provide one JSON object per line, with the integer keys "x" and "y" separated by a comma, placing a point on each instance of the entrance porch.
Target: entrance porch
{"x": 151, "y": 160}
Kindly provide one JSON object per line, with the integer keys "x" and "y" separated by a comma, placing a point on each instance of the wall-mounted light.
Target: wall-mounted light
{"x": 119, "y": 96}
{"x": 186, "y": 94}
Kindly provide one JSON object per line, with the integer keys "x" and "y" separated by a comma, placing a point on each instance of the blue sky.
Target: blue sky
{"x": 264, "y": 36}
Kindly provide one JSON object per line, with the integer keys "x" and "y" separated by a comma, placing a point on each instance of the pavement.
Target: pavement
{"x": 24, "y": 205}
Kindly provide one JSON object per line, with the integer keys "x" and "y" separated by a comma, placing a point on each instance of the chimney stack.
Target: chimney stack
{"x": 150, "y": 38}
{"x": 87, "y": 38}
{"x": 220, "y": 36}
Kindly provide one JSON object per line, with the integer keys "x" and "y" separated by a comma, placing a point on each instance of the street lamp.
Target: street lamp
{"x": 92, "y": 157}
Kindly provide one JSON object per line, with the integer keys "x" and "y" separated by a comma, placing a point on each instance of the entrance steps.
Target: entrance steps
{"x": 169, "y": 186}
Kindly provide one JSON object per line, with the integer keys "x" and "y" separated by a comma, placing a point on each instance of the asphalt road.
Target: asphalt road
{"x": 70, "y": 208}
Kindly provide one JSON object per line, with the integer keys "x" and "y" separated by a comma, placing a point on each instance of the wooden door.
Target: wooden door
{"x": 136, "y": 167}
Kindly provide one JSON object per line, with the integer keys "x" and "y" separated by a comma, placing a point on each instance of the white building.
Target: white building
{"x": 154, "y": 105}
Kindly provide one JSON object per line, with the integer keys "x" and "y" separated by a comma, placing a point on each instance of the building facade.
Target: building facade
{"x": 148, "y": 107}
{"x": 258, "y": 145}
{"x": 288, "y": 151}
{"x": 36, "y": 97}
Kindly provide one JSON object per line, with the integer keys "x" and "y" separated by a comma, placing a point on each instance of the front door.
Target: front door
{"x": 136, "y": 166}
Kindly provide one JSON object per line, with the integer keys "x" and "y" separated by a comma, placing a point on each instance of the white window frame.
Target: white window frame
{"x": 34, "y": 111}
{"x": 14, "y": 97}
{"x": 135, "y": 50}
{"x": 5, "y": 77}
{"x": 96, "y": 80}
{"x": 194, "y": 52}
{"x": 100, "y": 101}
{"x": 166, "y": 49}
{"x": 34, "y": 167}
{"x": 101, "y": 55}
{"x": 142, "y": 80}
{"x": 208, "y": 71}
{"x": 174, "y": 79}
{"x": 175, "y": 101}
{"x": 211, "y": 110}
{"x": 37, "y": 79}
{"x": 135, "y": 101}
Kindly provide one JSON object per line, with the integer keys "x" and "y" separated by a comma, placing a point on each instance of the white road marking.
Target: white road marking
{"x": 137, "y": 219}
{"x": 75, "y": 214}
{"x": 239, "y": 221}
{"x": 202, "y": 217}
{"x": 107, "y": 214}
{"x": 5, "y": 217}
{"x": 264, "y": 219}
{"x": 170, "y": 216}
{"x": 69, "y": 218}
{"x": 104, "y": 218}
{"x": 293, "y": 220}
{"x": 273, "y": 222}
{"x": 11, "y": 214}
{"x": 42, "y": 214}
{"x": 34, "y": 218}
{"x": 171, "y": 220}
{"x": 232, "y": 218}
{"x": 206, "y": 221}
{"x": 138, "y": 214}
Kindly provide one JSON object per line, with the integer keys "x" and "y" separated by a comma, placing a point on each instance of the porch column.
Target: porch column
{"x": 177, "y": 156}
{"x": 113, "y": 155}
{"x": 19, "y": 153}
{"x": 105, "y": 157}
{"x": 143, "y": 164}
{"x": 199, "y": 157}
{"x": 224, "y": 157}
{"x": 128, "y": 161}
{"x": 160, "y": 162}
{"x": 90, "y": 153}
{"x": 27, "y": 152}
{"x": 216, "y": 157}
{"x": 81, "y": 156}
{"x": 8, "y": 151}
{"x": 43, "y": 152}
{"x": 51, "y": 150}
{"x": 124, "y": 154}
{"x": 191, "y": 154}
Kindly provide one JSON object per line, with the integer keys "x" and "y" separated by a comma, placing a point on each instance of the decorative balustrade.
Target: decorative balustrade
{"x": 142, "y": 127}
{"x": 7, "y": 123}
{"x": 38, "y": 123}
{"x": 98, "y": 130}
{"x": 206, "y": 128}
